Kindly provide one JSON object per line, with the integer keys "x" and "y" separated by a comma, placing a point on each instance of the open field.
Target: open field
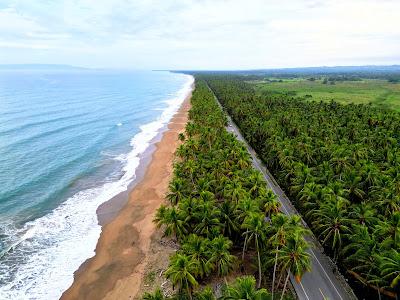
{"x": 376, "y": 91}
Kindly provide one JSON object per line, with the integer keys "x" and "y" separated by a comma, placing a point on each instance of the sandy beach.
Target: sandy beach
{"x": 129, "y": 244}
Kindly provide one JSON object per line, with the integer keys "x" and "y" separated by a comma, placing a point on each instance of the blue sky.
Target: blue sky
{"x": 200, "y": 34}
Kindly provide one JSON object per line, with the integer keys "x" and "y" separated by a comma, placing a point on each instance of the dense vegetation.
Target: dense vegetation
{"x": 223, "y": 215}
{"x": 388, "y": 73}
{"x": 340, "y": 164}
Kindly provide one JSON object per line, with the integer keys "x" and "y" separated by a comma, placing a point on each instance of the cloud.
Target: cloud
{"x": 192, "y": 34}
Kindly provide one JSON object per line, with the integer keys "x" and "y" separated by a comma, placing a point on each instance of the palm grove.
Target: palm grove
{"x": 224, "y": 217}
{"x": 340, "y": 165}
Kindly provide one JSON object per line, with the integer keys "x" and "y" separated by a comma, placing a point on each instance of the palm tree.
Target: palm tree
{"x": 362, "y": 252}
{"x": 220, "y": 256}
{"x": 271, "y": 205}
{"x": 302, "y": 175}
{"x": 204, "y": 184}
{"x": 283, "y": 227}
{"x": 209, "y": 134}
{"x": 255, "y": 227}
{"x": 157, "y": 295}
{"x": 207, "y": 196}
{"x": 370, "y": 174}
{"x": 354, "y": 186}
{"x": 181, "y": 137}
{"x": 244, "y": 288}
{"x": 160, "y": 216}
{"x": 388, "y": 199}
{"x": 198, "y": 248}
{"x": 177, "y": 190}
{"x": 182, "y": 151}
{"x": 310, "y": 193}
{"x": 389, "y": 230}
{"x": 188, "y": 207}
{"x": 205, "y": 294}
{"x": 390, "y": 268}
{"x": 190, "y": 168}
{"x": 234, "y": 191}
{"x": 190, "y": 128}
{"x": 244, "y": 207}
{"x": 332, "y": 222}
{"x": 280, "y": 226}
{"x": 294, "y": 258}
{"x": 255, "y": 182}
{"x": 172, "y": 219}
{"x": 228, "y": 218}
{"x": 182, "y": 271}
{"x": 364, "y": 213}
{"x": 192, "y": 147}
{"x": 242, "y": 157}
{"x": 208, "y": 219}
{"x": 340, "y": 162}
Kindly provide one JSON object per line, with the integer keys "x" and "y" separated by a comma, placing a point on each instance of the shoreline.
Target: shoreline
{"x": 109, "y": 210}
{"x": 117, "y": 269}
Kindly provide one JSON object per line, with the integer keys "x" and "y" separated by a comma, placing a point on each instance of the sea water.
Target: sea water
{"x": 70, "y": 139}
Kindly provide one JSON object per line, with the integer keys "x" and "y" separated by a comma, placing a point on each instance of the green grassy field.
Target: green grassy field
{"x": 377, "y": 92}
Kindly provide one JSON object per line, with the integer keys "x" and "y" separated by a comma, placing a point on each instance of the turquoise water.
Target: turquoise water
{"x": 69, "y": 141}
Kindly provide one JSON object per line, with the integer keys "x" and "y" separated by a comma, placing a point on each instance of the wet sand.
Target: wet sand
{"x": 129, "y": 242}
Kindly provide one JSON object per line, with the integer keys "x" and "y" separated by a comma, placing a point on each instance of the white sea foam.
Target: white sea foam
{"x": 59, "y": 242}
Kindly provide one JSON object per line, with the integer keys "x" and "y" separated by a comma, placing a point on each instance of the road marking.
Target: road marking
{"x": 326, "y": 274}
{"x": 304, "y": 290}
{"x": 323, "y": 296}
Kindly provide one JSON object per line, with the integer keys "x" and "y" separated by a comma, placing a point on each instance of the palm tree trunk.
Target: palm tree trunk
{"x": 379, "y": 293}
{"x": 188, "y": 289}
{"x": 259, "y": 263}
{"x": 273, "y": 275}
{"x": 284, "y": 287}
{"x": 244, "y": 247}
{"x": 189, "y": 293}
{"x": 280, "y": 278}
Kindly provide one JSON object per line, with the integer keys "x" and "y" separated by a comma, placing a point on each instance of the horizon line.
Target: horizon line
{"x": 55, "y": 66}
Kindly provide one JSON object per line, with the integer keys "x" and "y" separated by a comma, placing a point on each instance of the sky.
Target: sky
{"x": 200, "y": 34}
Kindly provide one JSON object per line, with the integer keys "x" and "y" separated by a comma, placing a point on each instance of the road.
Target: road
{"x": 322, "y": 282}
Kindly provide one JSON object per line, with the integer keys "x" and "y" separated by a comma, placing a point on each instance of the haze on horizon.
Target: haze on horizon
{"x": 206, "y": 34}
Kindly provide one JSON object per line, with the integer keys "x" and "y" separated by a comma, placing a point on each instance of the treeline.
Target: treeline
{"x": 340, "y": 165}
{"x": 344, "y": 72}
{"x": 223, "y": 215}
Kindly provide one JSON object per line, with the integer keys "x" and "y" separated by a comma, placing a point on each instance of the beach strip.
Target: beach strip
{"x": 124, "y": 248}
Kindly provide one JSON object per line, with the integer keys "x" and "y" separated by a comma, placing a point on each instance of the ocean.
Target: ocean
{"x": 70, "y": 139}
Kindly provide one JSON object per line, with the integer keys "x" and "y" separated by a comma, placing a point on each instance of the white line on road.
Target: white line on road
{"x": 304, "y": 290}
{"x": 326, "y": 274}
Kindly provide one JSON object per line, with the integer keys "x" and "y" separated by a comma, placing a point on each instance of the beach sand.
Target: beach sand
{"x": 130, "y": 245}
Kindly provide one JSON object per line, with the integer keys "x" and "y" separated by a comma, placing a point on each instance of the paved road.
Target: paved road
{"x": 322, "y": 282}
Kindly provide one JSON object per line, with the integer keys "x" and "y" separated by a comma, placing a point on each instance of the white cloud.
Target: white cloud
{"x": 192, "y": 34}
